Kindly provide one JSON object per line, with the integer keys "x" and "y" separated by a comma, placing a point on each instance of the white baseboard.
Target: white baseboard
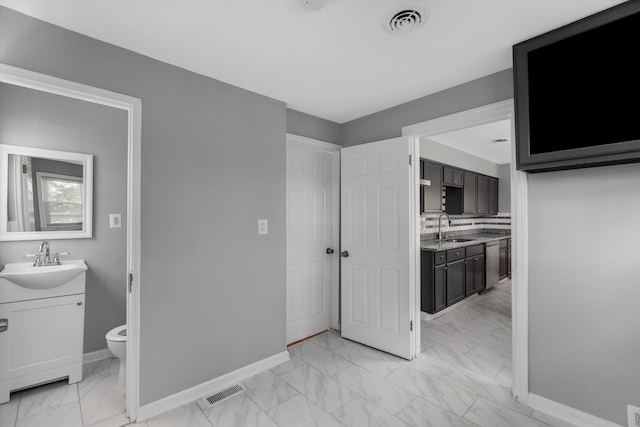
{"x": 94, "y": 356}
{"x": 215, "y": 385}
{"x": 566, "y": 413}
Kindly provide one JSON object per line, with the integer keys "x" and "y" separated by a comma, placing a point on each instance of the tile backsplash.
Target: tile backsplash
{"x": 464, "y": 224}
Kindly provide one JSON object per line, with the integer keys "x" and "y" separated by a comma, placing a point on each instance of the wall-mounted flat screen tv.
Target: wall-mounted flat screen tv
{"x": 577, "y": 93}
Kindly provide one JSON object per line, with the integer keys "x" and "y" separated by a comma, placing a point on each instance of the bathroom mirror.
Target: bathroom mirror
{"x": 45, "y": 194}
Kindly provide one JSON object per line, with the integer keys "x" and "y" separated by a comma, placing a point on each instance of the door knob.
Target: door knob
{"x": 329, "y": 251}
{"x": 344, "y": 254}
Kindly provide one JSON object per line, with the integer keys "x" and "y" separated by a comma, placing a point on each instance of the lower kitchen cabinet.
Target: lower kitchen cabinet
{"x": 475, "y": 274}
{"x": 448, "y": 277}
{"x": 455, "y": 282}
{"x": 505, "y": 259}
{"x": 439, "y": 289}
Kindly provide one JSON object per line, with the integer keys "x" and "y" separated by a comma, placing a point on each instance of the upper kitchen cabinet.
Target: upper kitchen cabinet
{"x": 466, "y": 192}
{"x": 453, "y": 177}
{"x": 484, "y": 193}
{"x": 470, "y": 191}
{"x": 430, "y": 187}
{"x": 493, "y": 196}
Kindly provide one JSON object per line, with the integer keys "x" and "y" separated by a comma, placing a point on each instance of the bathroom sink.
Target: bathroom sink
{"x": 26, "y": 275}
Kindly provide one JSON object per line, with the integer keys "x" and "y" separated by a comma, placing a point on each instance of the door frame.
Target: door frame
{"x": 334, "y": 149}
{"x": 133, "y": 106}
{"x": 503, "y": 110}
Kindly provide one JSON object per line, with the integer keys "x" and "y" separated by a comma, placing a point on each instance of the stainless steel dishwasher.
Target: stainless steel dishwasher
{"x": 492, "y": 266}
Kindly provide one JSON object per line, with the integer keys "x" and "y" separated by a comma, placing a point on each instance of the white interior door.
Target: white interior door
{"x": 310, "y": 236}
{"x": 379, "y": 250}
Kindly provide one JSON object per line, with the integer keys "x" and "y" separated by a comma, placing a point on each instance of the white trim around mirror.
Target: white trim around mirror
{"x": 87, "y": 198}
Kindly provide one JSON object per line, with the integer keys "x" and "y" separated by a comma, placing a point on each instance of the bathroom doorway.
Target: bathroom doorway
{"x": 132, "y": 107}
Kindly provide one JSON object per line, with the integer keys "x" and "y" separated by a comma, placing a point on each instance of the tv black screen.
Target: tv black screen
{"x": 577, "y": 93}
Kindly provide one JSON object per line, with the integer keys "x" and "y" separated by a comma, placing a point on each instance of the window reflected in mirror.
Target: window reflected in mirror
{"x": 46, "y": 191}
{"x": 44, "y": 194}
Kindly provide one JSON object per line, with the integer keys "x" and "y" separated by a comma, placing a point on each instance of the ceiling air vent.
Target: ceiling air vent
{"x": 405, "y": 18}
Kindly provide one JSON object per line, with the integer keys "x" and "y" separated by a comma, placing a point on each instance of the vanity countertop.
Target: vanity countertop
{"x": 475, "y": 239}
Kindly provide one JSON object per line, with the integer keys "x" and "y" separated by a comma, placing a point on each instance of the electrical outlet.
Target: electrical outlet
{"x": 263, "y": 226}
{"x": 633, "y": 415}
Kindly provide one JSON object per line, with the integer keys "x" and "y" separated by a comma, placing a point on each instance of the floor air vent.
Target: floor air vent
{"x": 208, "y": 402}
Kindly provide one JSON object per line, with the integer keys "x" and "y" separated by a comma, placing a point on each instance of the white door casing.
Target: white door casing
{"x": 378, "y": 219}
{"x": 311, "y": 271}
{"x": 502, "y": 110}
{"x": 133, "y": 107}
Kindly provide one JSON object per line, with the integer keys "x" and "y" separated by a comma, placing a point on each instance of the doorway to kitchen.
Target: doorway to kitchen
{"x": 512, "y": 297}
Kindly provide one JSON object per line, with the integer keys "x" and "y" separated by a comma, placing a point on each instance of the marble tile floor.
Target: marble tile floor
{"x": 461, "y": 379}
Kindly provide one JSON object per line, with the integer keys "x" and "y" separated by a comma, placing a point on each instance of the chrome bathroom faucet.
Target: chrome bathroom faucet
{"x": 44, "y": 246}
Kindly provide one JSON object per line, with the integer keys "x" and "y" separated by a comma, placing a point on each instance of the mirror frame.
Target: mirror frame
{"x": 87, "y": 205}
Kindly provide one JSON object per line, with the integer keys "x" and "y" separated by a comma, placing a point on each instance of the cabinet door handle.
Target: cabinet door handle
{"x": 4, "y": 325}
{"x": 329, "y": 251}
{"x": 344, "y": 254}
{"x": 79, "y": 303}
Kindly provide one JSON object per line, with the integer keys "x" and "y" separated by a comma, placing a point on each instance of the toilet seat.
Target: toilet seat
{"x": 117, "y": 334}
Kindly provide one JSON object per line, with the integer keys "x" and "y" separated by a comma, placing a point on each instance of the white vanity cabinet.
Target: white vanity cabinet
{"x": 43, "y": 338}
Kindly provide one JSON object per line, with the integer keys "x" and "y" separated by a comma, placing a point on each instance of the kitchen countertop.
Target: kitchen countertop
{"x": 435, "y": 245}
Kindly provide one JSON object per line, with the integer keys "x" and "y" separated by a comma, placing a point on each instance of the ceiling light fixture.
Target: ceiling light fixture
{"x": 405, "y": 18}
{"x": 312, "y": 5}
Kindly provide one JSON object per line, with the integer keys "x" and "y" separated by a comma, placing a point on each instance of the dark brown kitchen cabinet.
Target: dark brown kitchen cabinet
{"x": 431, "y": 194}
{"x": 470, "y": 189}
{"x": 483, "y": 194}
{"x": 504, "y": 259}
{"x": 493, "y": 196}
{"x": 455, "y": 282}
{"x": 439, "y": 291}
{"x": 453, "y": 177}
{"x": 475, "y": 274}
{"x": 448, "y": 277}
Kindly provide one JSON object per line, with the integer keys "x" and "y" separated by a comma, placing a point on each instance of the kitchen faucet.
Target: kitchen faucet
{"x": 440, "y": 224}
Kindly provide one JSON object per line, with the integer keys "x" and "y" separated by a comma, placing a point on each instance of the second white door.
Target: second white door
{"x": 310, "y": 241}
{"x": 379, "y": 246}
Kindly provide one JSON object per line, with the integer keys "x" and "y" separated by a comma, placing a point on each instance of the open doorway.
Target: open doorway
{"x": 132, "y": 129}
{"x": 468, "y": 331}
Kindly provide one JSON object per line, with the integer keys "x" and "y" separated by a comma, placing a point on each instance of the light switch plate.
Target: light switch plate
{"x": 115, "y": 220}
{"x": 263, "y": 226}
{"x": 633, "y": 413}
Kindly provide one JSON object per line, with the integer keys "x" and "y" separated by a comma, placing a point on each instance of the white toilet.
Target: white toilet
{"x": 117, "y": 343}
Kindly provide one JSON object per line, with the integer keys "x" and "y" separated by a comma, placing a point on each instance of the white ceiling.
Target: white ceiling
{"x": 478, "y": 141}
{"x": 336, "y": 63}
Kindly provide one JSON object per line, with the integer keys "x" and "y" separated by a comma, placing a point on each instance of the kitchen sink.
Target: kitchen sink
{"x": 457, "y": 240}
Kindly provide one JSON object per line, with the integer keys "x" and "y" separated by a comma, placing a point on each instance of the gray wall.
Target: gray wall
{"x": 313, "y": 127}
{"x": 584, "y": 288}
{"x": 450, "y": 156}
{"x": 504, "y": 188}
{"x": 37, "y": 119}
{"x": 213, "y": 162}
{"x": 388, "y": 123}
{"x": 229, "y": 310}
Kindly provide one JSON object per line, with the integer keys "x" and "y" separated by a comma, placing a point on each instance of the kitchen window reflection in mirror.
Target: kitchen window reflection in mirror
{"x": 45, "y": 194}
